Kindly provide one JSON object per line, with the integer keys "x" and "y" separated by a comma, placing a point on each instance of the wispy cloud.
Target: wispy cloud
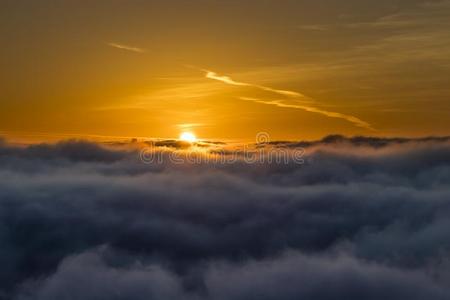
{"x": 298, "y": 105}
{"x": 354, "y": 120}
{"x": 229, "y": 80}
{"x": 188, "y": 126}
{"x": 126, "y": 47}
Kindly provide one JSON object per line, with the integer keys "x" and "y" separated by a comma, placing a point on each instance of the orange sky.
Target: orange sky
{"x": 224, "y": 69}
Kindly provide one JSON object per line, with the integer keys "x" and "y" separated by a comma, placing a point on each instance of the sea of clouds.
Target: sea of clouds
{"x": 360, "y": 218}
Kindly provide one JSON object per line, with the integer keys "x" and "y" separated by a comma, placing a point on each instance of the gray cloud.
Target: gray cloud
{"x": 362, "y": 218}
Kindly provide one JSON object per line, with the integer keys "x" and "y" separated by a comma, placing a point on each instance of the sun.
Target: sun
{"x": 188, "y": 137}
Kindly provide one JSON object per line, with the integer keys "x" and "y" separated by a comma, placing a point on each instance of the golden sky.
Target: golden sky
{"x": 297, "y": 69}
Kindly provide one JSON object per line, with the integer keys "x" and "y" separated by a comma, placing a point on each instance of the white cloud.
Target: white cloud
{"x": 228, "y": 80}
{"x": 331, "y": 114}
{"x": 126, "y": 47}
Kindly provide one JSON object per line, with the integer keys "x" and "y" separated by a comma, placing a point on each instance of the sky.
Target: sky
{"x": 129, "y": 168}
{"x": 295, "y": 69}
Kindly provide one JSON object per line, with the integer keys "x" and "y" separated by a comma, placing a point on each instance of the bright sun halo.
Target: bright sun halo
{"x": 188, "y": 137}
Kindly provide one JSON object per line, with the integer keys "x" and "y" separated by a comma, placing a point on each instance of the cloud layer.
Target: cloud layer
{"x": 363, "y": 218}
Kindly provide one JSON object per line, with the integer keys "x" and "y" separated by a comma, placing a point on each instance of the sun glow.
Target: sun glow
{"x": 188, "y": 137}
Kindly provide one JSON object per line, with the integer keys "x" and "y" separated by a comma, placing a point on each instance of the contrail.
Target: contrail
{"x": 331, "y": 114}
{"x": 228, "y": 80}
{"x": 354, "y": 120}
{"x": 128, "y": 48}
